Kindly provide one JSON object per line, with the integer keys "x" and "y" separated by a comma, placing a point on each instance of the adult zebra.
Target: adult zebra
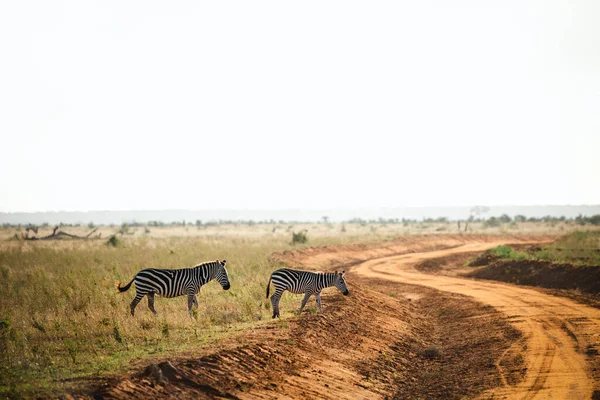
{"x": 305, "y": 282}
{"x": 175, "y": 282}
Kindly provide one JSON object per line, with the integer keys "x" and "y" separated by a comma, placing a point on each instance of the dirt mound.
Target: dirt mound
{"x": 313, "y": 355}
{"x": 469, "y": 347}
{"x": 543, "y": 274}
{"x": 440, "y": 264}
{"x": 482, "y": 260}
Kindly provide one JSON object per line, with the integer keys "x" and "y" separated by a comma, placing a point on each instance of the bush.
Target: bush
{"x": 299, "y": 237}
{"x": 507, "y": 252}
{"x": 492, "y": 222}
{"x": 113, "y": 241}
{"x": 505, "y": 219}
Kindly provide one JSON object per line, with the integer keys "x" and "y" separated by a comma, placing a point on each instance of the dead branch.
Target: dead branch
{"x": 89, "y": 234}
{"x": 56, "y": 235}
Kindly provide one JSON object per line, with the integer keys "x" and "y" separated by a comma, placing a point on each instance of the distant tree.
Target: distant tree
{"x": 505, "y": 219}
{"x": 492, "y": 222}
{"x": 520, "y": 218}
{"x": 124, "y": 229}
{"x": 325, "y": 219}
{"x": 476, "y": 212}
{"x": 595, "y": 219}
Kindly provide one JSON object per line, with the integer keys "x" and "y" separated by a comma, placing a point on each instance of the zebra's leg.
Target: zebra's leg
{"x": 195, "y": 302}
{"x": 318, "y": 298}
{"x": 275, "y": 302}
{"x": 191, "y": 298}
{"x": 151, "y": 302}
{"x": 136, "y": 300}
{"x": 304, "y": 300}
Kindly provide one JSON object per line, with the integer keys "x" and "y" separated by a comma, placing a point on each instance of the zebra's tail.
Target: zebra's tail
{"x": 269, "y": 286}
{"x": 124, "y": 288}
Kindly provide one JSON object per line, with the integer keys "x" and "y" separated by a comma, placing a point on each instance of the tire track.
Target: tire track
{"x": 556, "y": 367}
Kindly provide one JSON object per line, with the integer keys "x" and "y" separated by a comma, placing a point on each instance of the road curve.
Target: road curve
{"x": 557, "y": 330}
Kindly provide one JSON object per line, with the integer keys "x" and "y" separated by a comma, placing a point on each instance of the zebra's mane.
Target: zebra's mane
{"x": 208, "y": 264}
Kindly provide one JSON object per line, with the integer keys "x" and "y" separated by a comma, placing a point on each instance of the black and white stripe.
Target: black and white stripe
{"x": 176, "y": 282}
{"x": 305, "y": 282}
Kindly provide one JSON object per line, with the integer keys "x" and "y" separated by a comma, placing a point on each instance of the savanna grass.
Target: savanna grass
{"x": 61, "y": 317}
{"x": 579, "y": 248}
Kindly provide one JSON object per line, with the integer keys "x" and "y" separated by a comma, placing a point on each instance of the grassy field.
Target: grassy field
{"x": 60, "y": 315}
{"x": 578, "y": 248}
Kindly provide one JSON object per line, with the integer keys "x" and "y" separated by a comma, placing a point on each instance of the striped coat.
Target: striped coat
{"x": 176, "y": 282}
{"x": 305, "y": 282}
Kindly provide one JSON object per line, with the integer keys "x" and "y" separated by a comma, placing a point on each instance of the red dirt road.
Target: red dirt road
{"x": 557, "y": 331}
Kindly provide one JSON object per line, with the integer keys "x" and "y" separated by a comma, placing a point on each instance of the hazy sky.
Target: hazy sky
{"x": 253, "y": 104}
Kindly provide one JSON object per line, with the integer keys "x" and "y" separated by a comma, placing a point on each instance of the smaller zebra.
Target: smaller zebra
{"x": 175, "y": 282}
{"x": 305, "y": 282}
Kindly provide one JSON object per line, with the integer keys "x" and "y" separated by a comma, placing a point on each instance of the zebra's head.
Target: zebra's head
{"x": 222, "y": 275}
{"x": 340, "y": 282}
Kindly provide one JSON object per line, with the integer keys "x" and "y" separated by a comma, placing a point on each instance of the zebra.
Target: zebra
{"x": 305, "y": 282}
{"x": 175, "y": 282}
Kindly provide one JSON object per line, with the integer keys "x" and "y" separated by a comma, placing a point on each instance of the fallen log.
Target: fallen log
{"x": 57, "y": 235}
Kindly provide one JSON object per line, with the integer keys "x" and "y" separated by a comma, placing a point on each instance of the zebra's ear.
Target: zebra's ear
{"x": 343, "y": 273}
{"x": 223, "y": 262}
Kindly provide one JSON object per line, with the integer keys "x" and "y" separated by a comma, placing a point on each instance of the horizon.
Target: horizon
{"x": 453, "y": 213}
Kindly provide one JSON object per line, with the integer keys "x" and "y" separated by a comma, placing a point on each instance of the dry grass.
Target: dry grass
{"x": 318, "y": 233}
{"x": 60, "y": 316}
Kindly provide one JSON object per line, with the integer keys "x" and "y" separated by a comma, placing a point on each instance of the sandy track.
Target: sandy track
{"x": 556, "y": 330}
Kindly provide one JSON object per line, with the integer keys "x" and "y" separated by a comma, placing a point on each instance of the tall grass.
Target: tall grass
{"x": 60, "y": 315}
{"x": 579, "y": 247}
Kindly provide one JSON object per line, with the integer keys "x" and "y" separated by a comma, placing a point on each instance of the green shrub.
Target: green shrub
{"x": 492, "y": 222}
{"x": 503, "y": 251}
{"x": 299, "y": 237}
{"x": 113, "y": 241}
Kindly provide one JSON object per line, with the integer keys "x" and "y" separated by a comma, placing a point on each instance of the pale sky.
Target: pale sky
{"x": 253, "y": 104}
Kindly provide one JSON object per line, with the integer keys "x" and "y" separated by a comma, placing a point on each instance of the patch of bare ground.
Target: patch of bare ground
{"x": 446, "y": 265}
{"x": 543, "y": 274}
{"x": 469, "y": 347}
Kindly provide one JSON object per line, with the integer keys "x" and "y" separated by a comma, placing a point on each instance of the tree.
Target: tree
{"x": 520, "y": 218}
{"x": 505, "y": 219}
{"x": 476, "y": 211}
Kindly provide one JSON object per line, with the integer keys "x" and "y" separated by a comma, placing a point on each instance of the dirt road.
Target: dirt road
{"x": 557, "y": 331}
